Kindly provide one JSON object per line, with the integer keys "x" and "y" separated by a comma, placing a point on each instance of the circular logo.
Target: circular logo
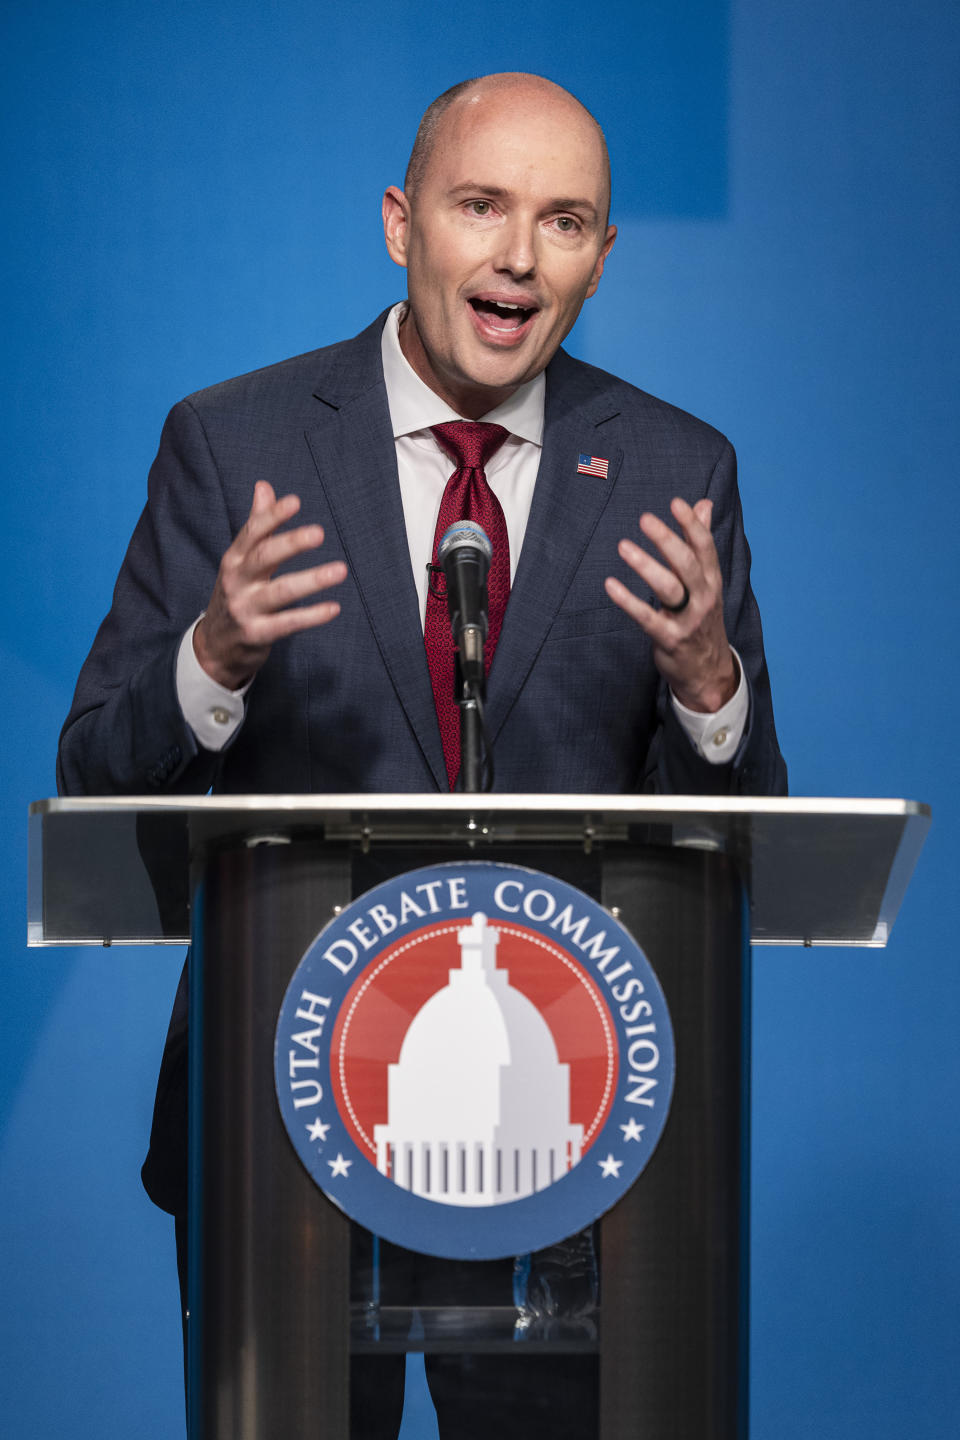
{"x": 474, "y": 1060}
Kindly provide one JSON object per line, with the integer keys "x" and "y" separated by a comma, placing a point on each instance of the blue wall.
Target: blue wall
{"x": 192, "y": 191}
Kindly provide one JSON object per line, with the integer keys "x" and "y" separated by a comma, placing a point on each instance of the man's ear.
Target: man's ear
{"x": 605, "y": 251}
{"x": 396, "y": 223}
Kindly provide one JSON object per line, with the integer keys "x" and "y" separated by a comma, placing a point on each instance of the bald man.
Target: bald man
{"x": 267, "y": 628}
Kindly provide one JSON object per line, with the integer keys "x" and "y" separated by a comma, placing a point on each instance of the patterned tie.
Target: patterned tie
{"x": 467, "y": 497}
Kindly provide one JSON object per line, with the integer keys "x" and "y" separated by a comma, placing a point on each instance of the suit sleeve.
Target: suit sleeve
{"x": 126, "y": 733}
{"x": 673, "y": 765}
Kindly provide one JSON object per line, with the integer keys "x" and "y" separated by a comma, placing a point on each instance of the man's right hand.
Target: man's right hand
{"x": 250, "y": 609}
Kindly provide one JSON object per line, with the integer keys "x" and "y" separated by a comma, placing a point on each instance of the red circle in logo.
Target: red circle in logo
{"x": 384, "y": 1000}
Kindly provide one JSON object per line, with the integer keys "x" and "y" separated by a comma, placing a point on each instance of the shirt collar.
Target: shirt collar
{"x": 414, "y": 406}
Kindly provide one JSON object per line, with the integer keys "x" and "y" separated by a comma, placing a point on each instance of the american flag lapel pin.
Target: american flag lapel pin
{"x": 592, "y": 465}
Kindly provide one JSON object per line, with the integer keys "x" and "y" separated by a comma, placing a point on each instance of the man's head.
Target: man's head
{"x": 503, "y": 231}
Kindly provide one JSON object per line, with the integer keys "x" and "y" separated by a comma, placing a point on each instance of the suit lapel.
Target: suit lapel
{"x": 564, "y": 514}
{"x": 354, "y": 452}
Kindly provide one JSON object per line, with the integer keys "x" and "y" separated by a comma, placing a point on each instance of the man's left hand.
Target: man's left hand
{"x": 690, "y": 646}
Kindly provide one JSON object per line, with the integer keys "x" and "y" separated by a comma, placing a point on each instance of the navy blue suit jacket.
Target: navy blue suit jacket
{"x": 574, "y": 701}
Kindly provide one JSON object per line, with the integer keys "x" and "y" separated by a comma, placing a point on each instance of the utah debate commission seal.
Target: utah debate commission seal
{"x": 474, "y": 1060}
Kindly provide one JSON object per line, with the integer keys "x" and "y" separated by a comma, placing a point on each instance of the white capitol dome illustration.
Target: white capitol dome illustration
{"x": 478, "y": 1106}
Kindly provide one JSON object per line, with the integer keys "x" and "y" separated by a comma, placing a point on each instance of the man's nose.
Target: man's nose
{"x": 517, "y": 252}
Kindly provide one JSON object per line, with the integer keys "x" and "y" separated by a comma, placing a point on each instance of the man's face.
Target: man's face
{"x": 503, "y": 240}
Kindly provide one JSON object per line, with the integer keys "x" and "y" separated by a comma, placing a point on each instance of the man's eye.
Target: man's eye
{"x": 480, "y": 207}
{"x": 566, "y": 223}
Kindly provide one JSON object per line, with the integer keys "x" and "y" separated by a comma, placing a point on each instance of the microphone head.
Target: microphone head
{"x": 464, "y": 534}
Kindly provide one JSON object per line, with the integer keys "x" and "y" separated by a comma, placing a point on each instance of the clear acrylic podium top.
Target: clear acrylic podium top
{"x": 817, "y": 871}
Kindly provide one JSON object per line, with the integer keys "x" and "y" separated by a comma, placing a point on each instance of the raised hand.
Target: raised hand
{"x": 690, "y": 646}
{"x": 251, "y": 607}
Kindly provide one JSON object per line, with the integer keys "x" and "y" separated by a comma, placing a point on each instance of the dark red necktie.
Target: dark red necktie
{"x": 470, "y": 443}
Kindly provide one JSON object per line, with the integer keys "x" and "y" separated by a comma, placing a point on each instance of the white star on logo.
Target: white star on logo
{"x": 339, "y": 1166}
{"x": 610, "y": 1167}
{"x": 632, "y": 1131}
{"x": 317, "y": 1131}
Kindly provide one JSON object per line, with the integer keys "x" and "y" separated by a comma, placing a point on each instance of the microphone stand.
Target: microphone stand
{"x": 469, "y": 697}
{"x": 469, "y": 682}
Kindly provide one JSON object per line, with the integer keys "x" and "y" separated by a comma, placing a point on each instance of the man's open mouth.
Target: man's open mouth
{"x": 501, "y": 314}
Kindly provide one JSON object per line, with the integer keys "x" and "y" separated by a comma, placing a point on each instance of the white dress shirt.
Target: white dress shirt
{"x": 214, "y": 713}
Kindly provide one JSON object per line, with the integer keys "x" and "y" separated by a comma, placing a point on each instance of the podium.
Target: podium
{"x": 250, "y": 881}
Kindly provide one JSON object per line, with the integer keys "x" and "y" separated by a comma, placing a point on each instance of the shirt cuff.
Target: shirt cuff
{"x": 213, "y": 712}
{"x": 716, "y": 737}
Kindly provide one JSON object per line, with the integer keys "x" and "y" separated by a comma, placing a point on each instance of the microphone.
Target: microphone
{"x": 464, "y": 555}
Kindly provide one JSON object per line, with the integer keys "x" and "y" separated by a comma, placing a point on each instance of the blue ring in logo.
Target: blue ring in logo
{"x": 474, "y": 1060}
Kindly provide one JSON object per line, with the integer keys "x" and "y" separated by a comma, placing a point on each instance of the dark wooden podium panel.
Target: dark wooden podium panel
{"x": 270, "y": 1313}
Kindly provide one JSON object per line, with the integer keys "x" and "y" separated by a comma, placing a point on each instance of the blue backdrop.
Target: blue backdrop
{"x": 192, "y": 191}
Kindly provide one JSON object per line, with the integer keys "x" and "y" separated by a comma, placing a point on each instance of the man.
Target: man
{"x": 246, "y": 655}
